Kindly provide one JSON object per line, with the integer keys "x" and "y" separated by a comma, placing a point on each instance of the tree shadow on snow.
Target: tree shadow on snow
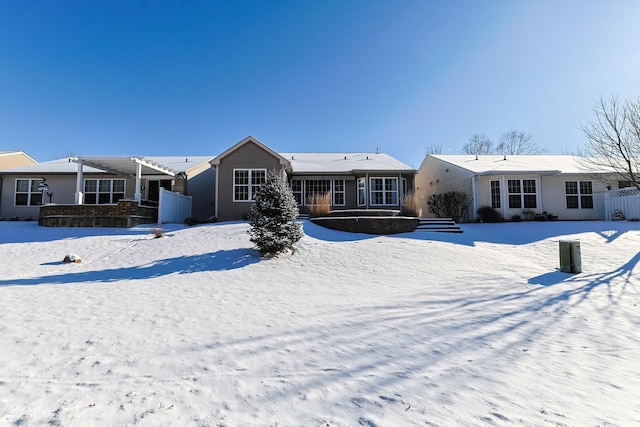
{"x": 592, "y": 280}
{"x": 434, "y": 340}
{"x": 215, "y": 261}
{"x": 31, "y": 232}
{"x": 510, "y": 233}
{"x": 526, "y": 232}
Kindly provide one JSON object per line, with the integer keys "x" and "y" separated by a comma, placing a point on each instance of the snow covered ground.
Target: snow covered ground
{"x": 195, "y": 329}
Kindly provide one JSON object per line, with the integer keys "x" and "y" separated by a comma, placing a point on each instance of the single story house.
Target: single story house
{"x": 354, "y": 180}
{"x": 105, "y": 180}
{"x": 560, "y": 185}
{"x": 221, "y": 187}
{"x": 13, "y": 159}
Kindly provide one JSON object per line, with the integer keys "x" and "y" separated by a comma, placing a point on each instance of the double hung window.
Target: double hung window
{"x": 579, "y": 194}
{"x": 246, "y": 182}
{"x": 27, "y": 192}
{"x": 522, "y": 193}
{"x": 296, "y": 189}
{"x": 103, "y": 191}
{"x": 384, "y": 191}
{"x": 312, "y": 189}
{"x": 495, "y": 194}
{"x": 362, "y": 191}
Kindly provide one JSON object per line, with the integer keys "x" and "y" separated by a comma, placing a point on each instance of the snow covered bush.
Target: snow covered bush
{"x": 618, "y": 216}
{"x": 273, "y": 217}
{"x": 157, "y": 232}
{"x": 448, "y": 205}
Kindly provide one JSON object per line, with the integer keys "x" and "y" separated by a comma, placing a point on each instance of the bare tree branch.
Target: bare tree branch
{"x": 478, "y": 144}
{"x": 613, "y": 138}
{"x": 433, "y": 148}
{"x": 516, "y": 142}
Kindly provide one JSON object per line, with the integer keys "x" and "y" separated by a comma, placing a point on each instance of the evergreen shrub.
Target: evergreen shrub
{"x": 273, "y": 217}
{"x": 489, "y": 214}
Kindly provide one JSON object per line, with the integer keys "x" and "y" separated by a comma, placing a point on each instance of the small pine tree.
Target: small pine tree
{"x": 273, "y": 217}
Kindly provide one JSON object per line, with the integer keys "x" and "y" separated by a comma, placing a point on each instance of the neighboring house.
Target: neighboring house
{"x": 13, "y": 159}
{"x": 221, "y": 187}
{"x": 354, "y": 180}
{"x": 517, "y": 185}
{"x": 105, "y": 180}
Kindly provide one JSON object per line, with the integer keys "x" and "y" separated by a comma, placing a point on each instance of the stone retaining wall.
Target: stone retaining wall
{"x": 369, "y": 224}
{"x": 127, "y": 213}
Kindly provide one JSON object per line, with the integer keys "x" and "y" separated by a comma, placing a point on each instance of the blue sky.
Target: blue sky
{"x": 195, "y": 77}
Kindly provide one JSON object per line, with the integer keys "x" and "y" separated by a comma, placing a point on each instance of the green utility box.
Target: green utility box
{"x": 570, "y": 257}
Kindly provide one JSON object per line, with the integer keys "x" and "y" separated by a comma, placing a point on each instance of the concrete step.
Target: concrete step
{"x": 442, "y": 225}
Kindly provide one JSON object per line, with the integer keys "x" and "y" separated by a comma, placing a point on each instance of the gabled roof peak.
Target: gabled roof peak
{"x": 247, "y": 140}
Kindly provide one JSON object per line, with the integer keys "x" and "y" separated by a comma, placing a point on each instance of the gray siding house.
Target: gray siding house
{"x": 354, "y": 180}
{"x": 518, "y": 185}
{"x": 104, "y": 180}
{"x": 221, "y": 187}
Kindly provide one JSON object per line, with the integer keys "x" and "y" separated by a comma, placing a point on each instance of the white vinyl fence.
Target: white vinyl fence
{"x": 625, "y": 200}
{"x": 173, "y": 207}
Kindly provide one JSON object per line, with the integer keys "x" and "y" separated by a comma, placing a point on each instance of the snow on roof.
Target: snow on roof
{"x": 492, "y": 164}
{"x": 175, "y": 163}
{"x": 53, "y": 166}
{"x": 344, "y": 162}
{"x": 300, "y": 163}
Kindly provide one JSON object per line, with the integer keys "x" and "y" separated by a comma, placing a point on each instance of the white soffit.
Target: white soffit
{"x": 126, "y": 165}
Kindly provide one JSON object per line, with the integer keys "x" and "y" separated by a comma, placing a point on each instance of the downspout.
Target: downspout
{"x": 215, "y": 213}
{"x": 474, "y": 195}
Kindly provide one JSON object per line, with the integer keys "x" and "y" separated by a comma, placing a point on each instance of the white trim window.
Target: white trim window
{"x": 103, "y": 191}
{"x": 296, "y": 189}
{"x": 27, "y": 192}
{"x": 362, "y": 191}
{"x": 384, "y": 191}
{"x": 314, "y": 188}
{"x": 495, "y": 194}
{"x": 522, "y": 193}
{"x": 337, "y": 194}
{"x": 246, "y": 182}
{"x": 578, "y": 194}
